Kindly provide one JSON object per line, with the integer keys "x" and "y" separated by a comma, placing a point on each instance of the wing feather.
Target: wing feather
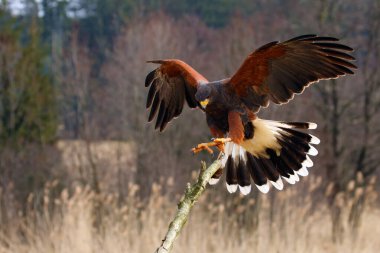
{"x": 149, "y": 78}
{"x": 171, "y": 84}
{"x": 280, "y": 70}
{"x": 151, "y": 93}
{"x": 154, "y": 108}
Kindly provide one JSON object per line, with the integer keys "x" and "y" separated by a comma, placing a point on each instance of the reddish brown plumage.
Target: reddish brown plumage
{"x": 171, "y": 84}
{"x": 251, "y": 115}
{"x": 255, "y": 69}
{"x": 280, "y": 70}
{"x": 175, "y": 68}
{"x": 236, "y": 128}
{"x": 215, "y": 132}
{"x": 274, "y": 72}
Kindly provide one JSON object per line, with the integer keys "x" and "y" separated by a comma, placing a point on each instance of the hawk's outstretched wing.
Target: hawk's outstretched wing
{"x": 277, "y": 71}
{"x": 170, "y": 85}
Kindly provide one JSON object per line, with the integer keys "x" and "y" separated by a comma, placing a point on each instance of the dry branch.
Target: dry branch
{"x": 187, "y": 201}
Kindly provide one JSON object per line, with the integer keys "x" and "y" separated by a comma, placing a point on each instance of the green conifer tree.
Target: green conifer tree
{"x": 27, "y": 97}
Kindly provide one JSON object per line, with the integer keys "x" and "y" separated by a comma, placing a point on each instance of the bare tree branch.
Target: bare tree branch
{"x": 187, "y": 201}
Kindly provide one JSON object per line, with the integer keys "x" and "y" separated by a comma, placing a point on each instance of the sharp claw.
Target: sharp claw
{"x": 196, "y": 150}
{"x": 209, "y": 150}
{"x": 217, "y": 142}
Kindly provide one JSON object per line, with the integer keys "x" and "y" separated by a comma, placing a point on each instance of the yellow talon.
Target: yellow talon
{"x": 218, "y": 142}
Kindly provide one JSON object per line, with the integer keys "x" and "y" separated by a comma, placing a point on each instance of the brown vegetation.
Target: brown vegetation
{"x": 51, "y": 203}
{"x": 293, "y": 219}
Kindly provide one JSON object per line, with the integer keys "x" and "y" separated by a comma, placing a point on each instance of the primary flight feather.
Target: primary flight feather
{"x": 262, "y": 150}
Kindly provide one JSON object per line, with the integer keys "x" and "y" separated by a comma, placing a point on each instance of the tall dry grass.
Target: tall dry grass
{"x": 79, "y": 220}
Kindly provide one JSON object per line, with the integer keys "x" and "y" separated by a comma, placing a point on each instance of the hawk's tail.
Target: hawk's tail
{"x": 277, "y": 150}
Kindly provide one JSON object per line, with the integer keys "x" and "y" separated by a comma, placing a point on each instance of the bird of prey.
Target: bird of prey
{"x": 265, "y": 151}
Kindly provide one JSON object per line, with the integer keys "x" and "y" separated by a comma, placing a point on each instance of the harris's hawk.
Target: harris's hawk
{"x": 252, "y": 148}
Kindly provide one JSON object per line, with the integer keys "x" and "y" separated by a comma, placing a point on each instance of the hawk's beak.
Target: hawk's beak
{"x": 204, "y": 103}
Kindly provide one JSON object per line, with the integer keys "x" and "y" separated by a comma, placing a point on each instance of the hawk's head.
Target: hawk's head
{"x": 203, "y": 94}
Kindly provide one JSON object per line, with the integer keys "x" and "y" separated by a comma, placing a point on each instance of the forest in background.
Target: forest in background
{"x": 74, "y": 70}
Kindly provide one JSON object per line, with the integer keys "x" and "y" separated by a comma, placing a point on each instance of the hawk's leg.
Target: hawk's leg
{"x": 217, "y": 142}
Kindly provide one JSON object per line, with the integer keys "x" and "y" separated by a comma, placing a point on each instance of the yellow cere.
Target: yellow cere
{"x": 204, "y": 103}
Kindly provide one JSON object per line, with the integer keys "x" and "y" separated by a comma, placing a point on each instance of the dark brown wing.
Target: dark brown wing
{"x": 277, "y": 71}
{"x": 170, "y": 85}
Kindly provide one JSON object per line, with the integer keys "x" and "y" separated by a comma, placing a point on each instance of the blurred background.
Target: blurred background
{"x": 81, "y": 170}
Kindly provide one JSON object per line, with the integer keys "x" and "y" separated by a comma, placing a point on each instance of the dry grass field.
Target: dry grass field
{"x": 82, "y": 171}
{"x": 79, "y": 220}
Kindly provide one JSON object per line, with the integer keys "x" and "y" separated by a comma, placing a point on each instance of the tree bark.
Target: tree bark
{"x": 192, "y": 194}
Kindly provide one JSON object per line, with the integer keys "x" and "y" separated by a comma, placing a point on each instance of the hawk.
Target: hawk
{"x": 265, "y": 151}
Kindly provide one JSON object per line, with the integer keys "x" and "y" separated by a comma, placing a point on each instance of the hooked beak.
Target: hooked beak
{"x": 204, "y": 103}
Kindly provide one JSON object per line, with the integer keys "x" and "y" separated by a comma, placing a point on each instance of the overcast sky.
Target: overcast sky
{"x": 17, "y": 8}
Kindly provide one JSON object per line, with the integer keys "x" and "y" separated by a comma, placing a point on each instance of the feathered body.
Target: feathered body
{"x": 261, "y": 150}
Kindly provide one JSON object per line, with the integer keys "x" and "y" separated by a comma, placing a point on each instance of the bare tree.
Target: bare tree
{"x": 348, "y": 125}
